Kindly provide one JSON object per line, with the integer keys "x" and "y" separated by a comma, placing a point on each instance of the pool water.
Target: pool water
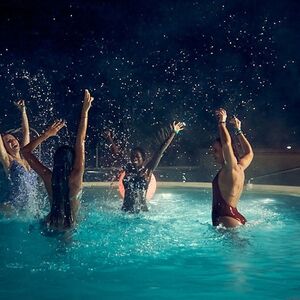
{"x": 171, "y": 252}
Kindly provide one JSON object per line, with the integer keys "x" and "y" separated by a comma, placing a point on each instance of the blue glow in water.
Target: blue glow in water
{"x": 171, "y": 252}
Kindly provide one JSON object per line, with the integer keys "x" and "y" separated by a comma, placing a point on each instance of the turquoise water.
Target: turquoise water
{"x": 171, "y": 252}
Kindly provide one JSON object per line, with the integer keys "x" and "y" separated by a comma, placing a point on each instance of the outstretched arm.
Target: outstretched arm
{"x": 4, "y": 158}
{"x": 153, "y": 163}
{"x": 230, "y": 159}
{"x": 112, "y": 145}
{"x": 33, "y": 161}
{"x": 79, "y": 162}
{"x": 25, "y": 124}
{"x": 247, "y": 157}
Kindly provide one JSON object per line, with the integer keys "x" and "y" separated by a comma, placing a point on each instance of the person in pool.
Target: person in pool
{"x": 19, "y": 180}
{"x": 138, "y": 171}
{"x": 64, "y": 183}
{"x": 229, "y": 182}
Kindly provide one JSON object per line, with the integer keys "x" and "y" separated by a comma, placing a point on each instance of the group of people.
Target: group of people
{"x": 64, "y": 182}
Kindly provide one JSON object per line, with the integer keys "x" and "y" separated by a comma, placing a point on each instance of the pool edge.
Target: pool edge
{"x": 274, "y": 189}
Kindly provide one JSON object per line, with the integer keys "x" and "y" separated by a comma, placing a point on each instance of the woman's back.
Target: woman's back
{"x": 64, "y": 183}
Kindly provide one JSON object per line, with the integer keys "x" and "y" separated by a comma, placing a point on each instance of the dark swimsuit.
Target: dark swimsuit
{"x": 220, "y": 208}
{"x": 20, "y": 185}
{"x": 135, "y": 185}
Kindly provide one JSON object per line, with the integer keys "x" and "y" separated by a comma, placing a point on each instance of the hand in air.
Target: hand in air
{"x": 221, "y": 115}
{"x": 55, "y": 128}
{"x": 20, "y": 105}
{"x": 107, "y": 134}
{"x": 87, "y": 102}
{"x": 236, "y": 123}
{"x": 177, "y": 127}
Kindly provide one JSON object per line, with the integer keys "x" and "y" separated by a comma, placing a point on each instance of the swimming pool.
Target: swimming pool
{"x": 171, "y": 252}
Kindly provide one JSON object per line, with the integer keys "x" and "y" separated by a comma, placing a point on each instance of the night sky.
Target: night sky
{"x": 150, "y": 62}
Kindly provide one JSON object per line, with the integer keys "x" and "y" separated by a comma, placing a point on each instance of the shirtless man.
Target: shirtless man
{"x": 229, "y": 182}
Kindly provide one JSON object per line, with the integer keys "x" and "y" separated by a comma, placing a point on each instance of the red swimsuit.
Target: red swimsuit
{"x": 220, "y": 208}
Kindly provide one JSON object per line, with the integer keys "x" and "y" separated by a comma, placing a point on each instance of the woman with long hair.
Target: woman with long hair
{"x": 19, "y": 180}
{"x": 229, "y": 182}
{"x": 64, "y": 182}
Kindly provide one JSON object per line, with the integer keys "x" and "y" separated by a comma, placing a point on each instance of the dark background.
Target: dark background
{"x": 150, "y": 62}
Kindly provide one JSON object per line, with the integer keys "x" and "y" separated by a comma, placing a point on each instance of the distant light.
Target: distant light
{"x": 288, "y": 147}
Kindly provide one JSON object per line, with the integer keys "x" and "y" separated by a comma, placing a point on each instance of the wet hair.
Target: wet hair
{"x": 218, "y": 140}
{"x": 138, "y": 149}
{"x": 60, "y": 213}
{"x": 234, "y": 147}
{"x": 8, "y": 133}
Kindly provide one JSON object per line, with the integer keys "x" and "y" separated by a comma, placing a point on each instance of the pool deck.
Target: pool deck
{"x": 261, "y": 188}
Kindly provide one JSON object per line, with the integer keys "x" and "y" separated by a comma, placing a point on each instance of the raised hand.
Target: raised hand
{"x": 87, "y": 102}
{"x": 221, "y": 115}
{"x": 177, "y": 127}
{"x": 20, "y": 105}
{"x": 55, "y": 128}
{"x": 107, "y": 134}
{"x": 237, "y": 124}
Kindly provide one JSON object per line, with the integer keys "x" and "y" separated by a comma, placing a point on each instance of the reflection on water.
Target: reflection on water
{"x": 172, "y": 249}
